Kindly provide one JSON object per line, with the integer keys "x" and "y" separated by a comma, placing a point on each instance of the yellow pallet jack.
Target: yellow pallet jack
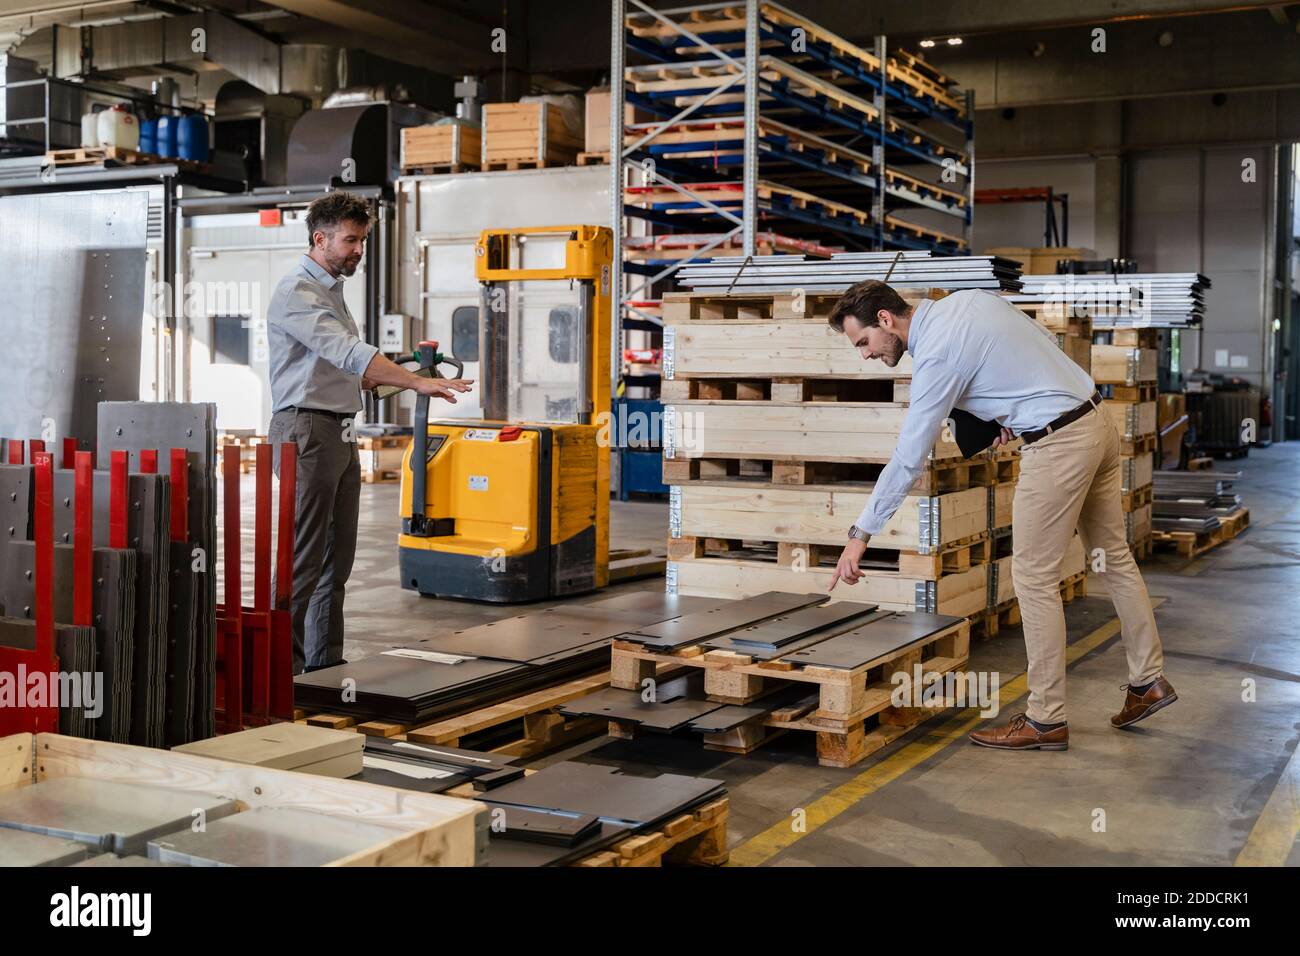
{"x": 516, "y": 507}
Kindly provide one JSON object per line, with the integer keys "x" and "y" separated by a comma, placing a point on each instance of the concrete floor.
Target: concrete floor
{"x": 1187, "y": 787}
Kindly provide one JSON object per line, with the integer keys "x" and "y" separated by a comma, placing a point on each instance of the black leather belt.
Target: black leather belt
{"x": 339, "y": 416}
{"x": 1073, "y": 415}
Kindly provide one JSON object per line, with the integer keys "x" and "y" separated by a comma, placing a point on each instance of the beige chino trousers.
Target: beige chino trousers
{"x": 1072, "y": 479}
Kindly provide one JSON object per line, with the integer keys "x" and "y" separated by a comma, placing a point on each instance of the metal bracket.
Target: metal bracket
{"x": 670, "y": 352}
{"x": 669, "y": 436}
{"x": 926, "y": 596}
{"x": 928, "y": 525}
{"x": 1131, "y": 363}
{"x": 674, "y": 511}
{"x": 670, "y": 578}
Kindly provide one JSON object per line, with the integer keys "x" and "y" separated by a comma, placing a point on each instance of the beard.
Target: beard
{"x": 891, "y": 354}
{"x": 343, "y": 265}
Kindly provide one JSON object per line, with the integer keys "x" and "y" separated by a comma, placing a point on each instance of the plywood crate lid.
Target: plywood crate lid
{"x": 278, "y": 746}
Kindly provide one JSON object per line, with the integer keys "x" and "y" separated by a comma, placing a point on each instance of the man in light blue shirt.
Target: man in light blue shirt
{"x": 318, "y": 366}
{"x": 975, "y": 351}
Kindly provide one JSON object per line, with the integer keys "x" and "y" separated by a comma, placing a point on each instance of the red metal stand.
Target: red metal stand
{"x": 18, "y": 663}
{"x": 16, "y": 451}
{"x": 83, "y": 543}
{"x": 117, "y": 501}
{"x": 255, "y": 650}
{"x": 70, "y": 453}
{"x": 149, "y": 461}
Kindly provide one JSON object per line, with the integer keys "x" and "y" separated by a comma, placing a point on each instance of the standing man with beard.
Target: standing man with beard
{"x": 975, "y": 351}
{"x": 318, "y": 366}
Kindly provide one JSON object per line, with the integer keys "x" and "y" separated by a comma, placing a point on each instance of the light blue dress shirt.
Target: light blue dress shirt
{"x": 975, "y": 351}
{"x": 317, "y": 356}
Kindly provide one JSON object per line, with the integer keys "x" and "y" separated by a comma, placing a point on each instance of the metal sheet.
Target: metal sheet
{"x": 518, "y": 853}
{"x": 677, "y": 702}
{"x": 76, "y": 273}
{"x": 538, "y": 637}
{"x": 779, "y": 631}
{"x": 657, "y": 605}
{"x": 271, "y": 836}
{"x": 879, "y": 639}
{"x": 108, "y": 859}
{"x": 136, "y": 426}
{"x": 111, "y": 816}
{"x": 15, "y": 502}
{"x": 607, "y": 792}
{"x": 541, "y": 826}
{"x": 702, "y": 625}
{"x": 21, "y": 848}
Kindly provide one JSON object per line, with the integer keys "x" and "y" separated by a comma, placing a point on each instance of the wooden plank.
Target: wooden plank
{"x": 453, "y": 728}
{"x": 15, "y": 761}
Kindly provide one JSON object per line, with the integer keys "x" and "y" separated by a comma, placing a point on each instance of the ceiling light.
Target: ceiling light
{"x": 954, "y": 41}
{"x": 927, "y": 43}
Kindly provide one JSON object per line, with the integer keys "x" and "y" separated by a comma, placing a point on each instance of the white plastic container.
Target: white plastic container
{"x": 118, "y": 127}
{"x": 90, "y": 129}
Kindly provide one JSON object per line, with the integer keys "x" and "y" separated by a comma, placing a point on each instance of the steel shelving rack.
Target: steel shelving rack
{"x": 767, "y": 131}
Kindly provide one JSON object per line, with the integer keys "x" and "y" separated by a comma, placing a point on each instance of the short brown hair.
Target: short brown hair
{"x": 863, "y": 300}
{"x": 333, "y": 208}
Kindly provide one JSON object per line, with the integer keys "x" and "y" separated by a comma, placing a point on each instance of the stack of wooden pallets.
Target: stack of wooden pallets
{"x": 775, "y": 431}
{"x": 1125, "y": 370}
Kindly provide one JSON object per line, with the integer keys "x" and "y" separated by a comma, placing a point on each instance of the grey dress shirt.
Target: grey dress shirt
{"x": 317, "y": 356}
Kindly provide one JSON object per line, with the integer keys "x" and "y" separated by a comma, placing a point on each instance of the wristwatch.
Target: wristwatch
{"x": 857, "y": 534}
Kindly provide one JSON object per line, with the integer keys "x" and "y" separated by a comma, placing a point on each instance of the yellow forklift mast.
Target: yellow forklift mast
{"x": 516, "y": 507}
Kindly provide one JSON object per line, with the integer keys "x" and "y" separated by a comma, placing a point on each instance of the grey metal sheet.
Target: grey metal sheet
{"x": 388, "y": 676}
{"x": 518, "y": 853}
{"x": 75, "y": 293}
{"x": 541, "y": 826}
{"x": 108, "y": 859}
{"x": 184, "y": 591}
{"x": 677, "y": 702}
{"x": 270, "y": 836}
{"x": 779, "y": 631}
{"x": 876, "y": 640}
{"x": 702, "y": 625}
{"x": 114, "y": 615}
{"x": 607, "y": 792}
{"x": 21, "y": 848}
{"x": 111, "y": 816}
{"x": 657, "y": 605}
{"x": 16, "y": 492}
{"x": 539, "y": 637}
{"x": 135, "y": 426}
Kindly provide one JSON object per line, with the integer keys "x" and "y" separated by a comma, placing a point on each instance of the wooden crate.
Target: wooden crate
{"x": 820, "y": 515}
{"x": 428, "y": 829}
{"x": 447, "y": 147}
{"x": 1122, "y": 365}
{"x": 381, "y": 457}
{"x": 1137, "y": 525}
{"x": 1133, "y": 420}
{"x": 526, "y": 135}
{"x": 1136, "y": 473}
{"x": 850, "y": 712}
{"x": 1078, "y": 348}
{"x": 961, "y": 593}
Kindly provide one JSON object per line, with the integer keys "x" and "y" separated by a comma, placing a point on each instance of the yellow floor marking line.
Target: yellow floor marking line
{"x": 761, "y": 847}
{"x": 1275, "y": 831}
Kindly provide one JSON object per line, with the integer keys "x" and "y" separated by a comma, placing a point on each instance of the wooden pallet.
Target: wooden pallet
{"x": 380, "y": 477}
{"x": 953, "y": 558}
{"x": 987, "y": 625}
{"x": 514, "y": 165}
{"x": 1200, "y": 464}
{"x": 680, "y": 390}
{"x": 849, "y": 712}
{"x": 433, "y": 169}
{"x": 381, "y": 457}
{"x": 1143, "y": 548}
{"x": 1131, "y": 448}
{"x": 765, "y": 307}
{"x": 1133, "y": 393}
{"x": 541, "y": 726}
{"x": 1133, "y": 500}
{"x": 939, "y": 477}
{"x": 119, "y": 156}
{"x": 593, "y": 159}
{"x": 247, "y": 451}
{"x": 1190, "y": 544}
{"x": 696, "y": 838}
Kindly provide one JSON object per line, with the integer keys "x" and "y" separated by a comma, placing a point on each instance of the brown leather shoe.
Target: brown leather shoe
{"x": 1020, "y": 734}
{"x": 1160, "y": 694}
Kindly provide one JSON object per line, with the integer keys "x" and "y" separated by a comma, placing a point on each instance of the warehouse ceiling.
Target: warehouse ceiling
{"x": 1012, "y": 53}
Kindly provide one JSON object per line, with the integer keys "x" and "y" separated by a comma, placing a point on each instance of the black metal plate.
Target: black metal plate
{"x": 865, "y": 645}
{"x": 779, "y": 631}
{"x": 702, "y": 625}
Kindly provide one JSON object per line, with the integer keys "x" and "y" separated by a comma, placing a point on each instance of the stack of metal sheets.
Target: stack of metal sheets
{"x": 74, "y": 687}
{"x": 148, "y": 508}
{"x": 570, "y": 810}
{"x": 190, "y": 628}
{"x": 1192, "y": 500}
{"x": 432, "y": 768}
{"x": 901, "y": 269}
{"x": 475, "y": 667}
{"x": 114, "y": 598}
{"x": 1168, "y": 299}
{"x": 20, "y": 848}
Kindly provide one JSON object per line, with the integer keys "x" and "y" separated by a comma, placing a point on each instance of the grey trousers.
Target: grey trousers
{"x": 325, "y": 532}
